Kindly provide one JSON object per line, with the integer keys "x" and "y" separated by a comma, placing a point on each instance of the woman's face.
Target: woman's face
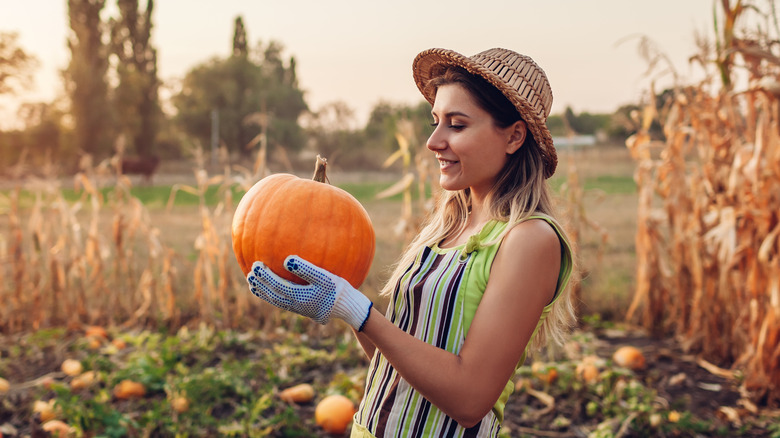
{"x": 470, "y": 148}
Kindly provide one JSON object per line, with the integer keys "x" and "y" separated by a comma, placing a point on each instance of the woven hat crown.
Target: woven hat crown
{"x": 517, "y": 76}
{"x": 521, "y": 73}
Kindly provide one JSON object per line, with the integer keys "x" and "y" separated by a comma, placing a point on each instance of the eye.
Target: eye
{"x": 457, "y": 127}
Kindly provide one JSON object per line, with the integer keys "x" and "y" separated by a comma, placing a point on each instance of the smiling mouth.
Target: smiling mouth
{"x": 443, "y": 162}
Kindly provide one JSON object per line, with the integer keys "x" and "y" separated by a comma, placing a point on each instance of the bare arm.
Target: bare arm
{"x": 466, "y": 386}
{"x": 365, "y": 343}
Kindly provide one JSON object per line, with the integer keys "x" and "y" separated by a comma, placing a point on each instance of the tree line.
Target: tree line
{"x": 112, "y": 91}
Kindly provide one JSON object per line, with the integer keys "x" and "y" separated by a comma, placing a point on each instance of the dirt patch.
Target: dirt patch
{"x": 709, "y": 404}
{"x": 672, "y": 381}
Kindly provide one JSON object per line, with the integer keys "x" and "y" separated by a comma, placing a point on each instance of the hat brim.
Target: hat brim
{"x": 432, "y": 63}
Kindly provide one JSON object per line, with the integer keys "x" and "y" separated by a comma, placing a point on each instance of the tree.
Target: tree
{"x": 382, "y": 124}
{"x": 624, "y": 122}
{"x": 239, "y": 38}
{"x": 136, "y": 97}
{"x": 556, "y": 125}
{"x": 330, "y": 132}
{"x": 280, "y": 93}
{"x": 43, "y": 132}
{"x": 15, "y": 64}
{"x": 570, "y": 121}
{"x": 244, "y": 73}
{"x": 236, "y": 88}
{"x": 86, "y": 78}
{"x": 36, "y": 148}
{"x": 586, "y": 123}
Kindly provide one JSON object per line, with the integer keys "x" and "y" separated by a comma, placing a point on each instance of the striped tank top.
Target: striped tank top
{"x": 435, "y": 300}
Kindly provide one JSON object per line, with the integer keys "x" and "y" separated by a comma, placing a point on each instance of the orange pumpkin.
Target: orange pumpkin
{"x": 587, "y": 371}
{"x": 630, "y": 357}
{"x": 284, "y": 215}
{"x": 96, "y": 331}
{"x": 334, "y": 413}
{"x": 57, "y": 428}
{"x": 45, "y": 409}
{"x": 127, "y": 389}
{"x": 302, "y": 393}
{"x": 180, "y": 404}
{"x": 72, "y": 367}
{"x": 545, "y": 373}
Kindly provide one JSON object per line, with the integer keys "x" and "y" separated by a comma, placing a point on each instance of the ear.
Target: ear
{"x": 517, "y": 133}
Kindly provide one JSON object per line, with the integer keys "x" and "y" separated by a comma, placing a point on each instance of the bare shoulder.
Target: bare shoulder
{"x": 531, "y": 254}
{"x": 535, "y": 236}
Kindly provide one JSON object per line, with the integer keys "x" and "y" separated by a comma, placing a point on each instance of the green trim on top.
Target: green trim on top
{"x": 477, "y": 273}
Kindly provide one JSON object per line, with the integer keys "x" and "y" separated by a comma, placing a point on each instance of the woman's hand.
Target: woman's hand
{"x": 327, "y": 295}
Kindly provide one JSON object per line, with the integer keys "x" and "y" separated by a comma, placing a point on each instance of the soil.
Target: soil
{"x": 681, "y": 382}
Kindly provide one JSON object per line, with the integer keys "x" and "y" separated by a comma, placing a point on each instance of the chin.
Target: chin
{"x": 450, "y": 186}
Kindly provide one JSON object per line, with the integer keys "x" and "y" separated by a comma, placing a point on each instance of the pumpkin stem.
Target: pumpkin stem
{"x": 319, "y": 170}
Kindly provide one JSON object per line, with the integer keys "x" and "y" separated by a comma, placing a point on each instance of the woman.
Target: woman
{"x": 484, "y": 280}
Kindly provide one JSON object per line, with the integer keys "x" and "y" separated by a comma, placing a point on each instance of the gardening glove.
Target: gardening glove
{"x": 327, "y": 295}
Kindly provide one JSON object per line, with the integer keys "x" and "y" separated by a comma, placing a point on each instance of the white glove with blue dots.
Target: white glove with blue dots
{"x": 327, "y": 295}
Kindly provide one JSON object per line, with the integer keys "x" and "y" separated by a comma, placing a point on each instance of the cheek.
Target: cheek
{"x": 495, "y": 166}
{"x": 491, "y": 155}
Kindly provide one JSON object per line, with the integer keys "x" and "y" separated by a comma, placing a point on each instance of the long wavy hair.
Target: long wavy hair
{"x": 520, "y": 191}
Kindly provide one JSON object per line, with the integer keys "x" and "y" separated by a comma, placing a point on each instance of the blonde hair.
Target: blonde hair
{"x": 519, "y": 192}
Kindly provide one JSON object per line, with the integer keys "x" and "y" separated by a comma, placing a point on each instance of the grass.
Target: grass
{"x": 611, "y": 184}
{"x": 604, "y": 184}
{"x": 159, "y": 195}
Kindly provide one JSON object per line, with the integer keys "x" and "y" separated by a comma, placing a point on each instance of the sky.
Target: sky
{"x": 360, "y": 51}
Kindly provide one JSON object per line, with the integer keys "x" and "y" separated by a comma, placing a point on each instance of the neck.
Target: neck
{"x": 478, "y": 216}
{"x": 477, "y": 206}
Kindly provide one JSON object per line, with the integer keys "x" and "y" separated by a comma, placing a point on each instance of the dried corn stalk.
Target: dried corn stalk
{"x": 409, "y": 221}
{"x": 708, "y": 244}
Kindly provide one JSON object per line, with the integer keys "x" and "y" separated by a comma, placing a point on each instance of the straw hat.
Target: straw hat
{"x": 517, "y": 76}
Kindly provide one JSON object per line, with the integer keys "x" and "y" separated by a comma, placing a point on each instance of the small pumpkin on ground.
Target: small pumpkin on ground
{"x": 71, "y": 367}
{"x": 127, "y": 389}
{"x": 57, "y": 428}
{"x": 180, "y": 404}
{"x": 544, "y": 372}
{"x": 45, "y": 410}
{"x": 83, "y": 380}
{"x": 334, "y": 413}
{"x": 629, "y": 357}
{"x": 95, "y": 331}
{"x": 301, "y": 393}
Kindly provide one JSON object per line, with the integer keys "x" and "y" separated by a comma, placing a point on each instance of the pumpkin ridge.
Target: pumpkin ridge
{"x": 320, "y": 215}
{"x": 330, "y": 213}
{"x": 308, "y": 229}
{"x": 282, "y": 203}
{"x": 239, "y": 226}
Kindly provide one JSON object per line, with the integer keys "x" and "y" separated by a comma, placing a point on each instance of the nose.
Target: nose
{"x": 436, "y": 140}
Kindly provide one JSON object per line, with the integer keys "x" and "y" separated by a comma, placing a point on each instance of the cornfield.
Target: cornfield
{"x": 100, "y": 260}
{"x": 708, "y": 233}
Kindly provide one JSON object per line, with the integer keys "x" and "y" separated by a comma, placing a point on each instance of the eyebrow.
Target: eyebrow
{"x": 452, "y": 114}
